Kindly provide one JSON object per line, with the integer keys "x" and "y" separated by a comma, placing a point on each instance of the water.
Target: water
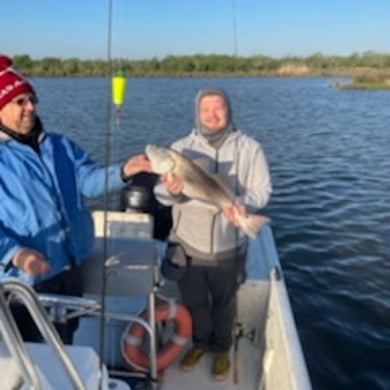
{"x": 329, "y": 156}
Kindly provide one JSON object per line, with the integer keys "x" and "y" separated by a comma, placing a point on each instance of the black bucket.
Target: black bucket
{"x": 138, "y": 197}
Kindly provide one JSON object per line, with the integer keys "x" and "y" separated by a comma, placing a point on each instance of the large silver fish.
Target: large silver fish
{"x": 200, "y": 185}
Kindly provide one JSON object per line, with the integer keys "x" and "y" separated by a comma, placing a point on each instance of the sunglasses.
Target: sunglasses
{"x": 23, "y": 101}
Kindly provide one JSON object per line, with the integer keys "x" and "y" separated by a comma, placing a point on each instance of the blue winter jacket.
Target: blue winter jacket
{"x": 41, "y": 202}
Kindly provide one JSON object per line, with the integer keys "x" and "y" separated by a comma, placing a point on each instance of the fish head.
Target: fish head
{"x": 160, "y": 159}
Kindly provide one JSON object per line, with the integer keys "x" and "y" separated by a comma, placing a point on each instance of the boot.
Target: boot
{"x": 221, "y": 366}
{"x": 192, "y": 358}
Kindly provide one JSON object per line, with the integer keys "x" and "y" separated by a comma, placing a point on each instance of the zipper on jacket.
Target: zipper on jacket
{"x": 216, "y": 170}
{"x": 216, "y": 163}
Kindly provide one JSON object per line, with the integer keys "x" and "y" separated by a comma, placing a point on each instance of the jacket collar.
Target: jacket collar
{"x": 33, "y": 138}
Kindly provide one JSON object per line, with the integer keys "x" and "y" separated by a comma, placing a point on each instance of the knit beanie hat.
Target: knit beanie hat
{"x": 216, "y": 139}
{"x": 11, "y": 82}
{"x": 207, "y": 92}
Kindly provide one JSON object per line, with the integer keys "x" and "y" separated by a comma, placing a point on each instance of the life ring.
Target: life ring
{"x": 134, "y": 334}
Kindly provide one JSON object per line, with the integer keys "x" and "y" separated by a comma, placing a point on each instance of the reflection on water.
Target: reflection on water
{"x": 329, "y": 155}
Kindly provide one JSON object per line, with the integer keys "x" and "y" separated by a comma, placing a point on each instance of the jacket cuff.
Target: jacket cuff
{"x": 124, "y": 178}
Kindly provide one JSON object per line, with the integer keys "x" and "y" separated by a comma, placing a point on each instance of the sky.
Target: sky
{"x": 144, "y": 29}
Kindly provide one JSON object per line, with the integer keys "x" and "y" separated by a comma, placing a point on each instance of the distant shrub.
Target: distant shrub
{"x": 372, "y": 76}
{"x": 293, "y": 70}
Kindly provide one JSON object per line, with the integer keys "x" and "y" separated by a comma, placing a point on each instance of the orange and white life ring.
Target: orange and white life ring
{"x": 134, "y": 334}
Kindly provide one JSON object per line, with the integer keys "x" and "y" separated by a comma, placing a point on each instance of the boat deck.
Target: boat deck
{"x": 248, "y": 365}
{"x": 253, "y": 296}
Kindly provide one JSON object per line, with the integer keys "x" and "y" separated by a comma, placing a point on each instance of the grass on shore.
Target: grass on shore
{"x": 367, "y": 79}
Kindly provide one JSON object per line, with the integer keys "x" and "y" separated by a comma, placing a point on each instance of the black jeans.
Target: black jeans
{"x": 209, "y": 292}
{"x": 68, "y": 282}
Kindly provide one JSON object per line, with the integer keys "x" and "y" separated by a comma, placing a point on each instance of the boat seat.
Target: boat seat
{"x": 50, "y": 370}
{"x": 125, "y": 251}
{"x": 130, "y": 266}
{"x": 10, "y": 373}
{"x": 125, "y": 261}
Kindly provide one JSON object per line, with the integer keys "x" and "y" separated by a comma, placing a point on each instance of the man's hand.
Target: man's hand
{"x": 233, "y": 212}
{"x": 30, "y": 262}
{"x": 136, "y": 164}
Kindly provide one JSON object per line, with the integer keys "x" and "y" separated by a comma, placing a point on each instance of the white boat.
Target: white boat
{"x": 267, "y": 353}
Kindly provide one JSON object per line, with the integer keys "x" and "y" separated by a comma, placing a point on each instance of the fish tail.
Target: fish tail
{"x": 251, "y": 223}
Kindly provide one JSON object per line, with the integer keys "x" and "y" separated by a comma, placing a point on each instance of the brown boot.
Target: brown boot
{"x": 192, "y": 358}
{"x": 221, "y": 366}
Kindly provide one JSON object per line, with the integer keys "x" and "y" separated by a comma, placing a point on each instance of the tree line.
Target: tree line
{"x": 317, "y": 64}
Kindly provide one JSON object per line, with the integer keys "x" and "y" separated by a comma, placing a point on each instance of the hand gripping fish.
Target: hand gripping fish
{"x": 200, "y": 185}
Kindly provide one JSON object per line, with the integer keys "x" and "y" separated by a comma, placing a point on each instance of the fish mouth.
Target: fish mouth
{"x": 160, "y": 159}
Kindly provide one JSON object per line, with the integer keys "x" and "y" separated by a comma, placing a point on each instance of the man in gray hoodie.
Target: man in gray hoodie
{"x": 213, "y": 244}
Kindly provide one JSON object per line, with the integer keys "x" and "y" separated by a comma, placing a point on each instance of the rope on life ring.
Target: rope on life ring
{"x": 134, "y": 334}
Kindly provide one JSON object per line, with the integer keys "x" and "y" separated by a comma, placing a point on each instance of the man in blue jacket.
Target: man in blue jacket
{"x": 45, "y": 229}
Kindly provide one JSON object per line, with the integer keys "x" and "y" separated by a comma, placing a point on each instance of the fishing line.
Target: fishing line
{"x": 116, "y": 84}
{"x": 235, "y": 46}
{"x": 235, "y": 54}
{"x": 118, "y": 81}
{"x": 107, "y": 159}
{"x": 237, "y": 327}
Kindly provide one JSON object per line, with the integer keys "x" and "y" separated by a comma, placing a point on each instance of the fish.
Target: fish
{"x": 200, "y": 186}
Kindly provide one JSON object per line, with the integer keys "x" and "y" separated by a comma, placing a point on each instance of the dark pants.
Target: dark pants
{"x": 210, "y": 294}
{"x": 68, "y": 282}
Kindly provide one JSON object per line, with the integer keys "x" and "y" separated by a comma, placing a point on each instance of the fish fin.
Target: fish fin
{"x": 251, "y": 223}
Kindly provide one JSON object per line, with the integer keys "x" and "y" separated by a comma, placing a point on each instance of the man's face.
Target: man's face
{"x": 213, "y": 112}
{"x": 19, "y": 114}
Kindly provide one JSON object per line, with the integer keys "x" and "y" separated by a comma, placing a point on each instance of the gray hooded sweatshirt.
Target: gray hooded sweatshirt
{"x": 240, "y": 163}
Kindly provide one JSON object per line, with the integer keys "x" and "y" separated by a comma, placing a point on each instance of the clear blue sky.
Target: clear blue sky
{"x": 156, "y": 28}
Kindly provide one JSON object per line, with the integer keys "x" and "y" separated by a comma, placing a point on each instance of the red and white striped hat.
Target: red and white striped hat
{"x": 12, "y": 83}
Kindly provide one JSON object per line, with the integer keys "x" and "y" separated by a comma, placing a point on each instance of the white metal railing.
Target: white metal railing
{"x": 13, "y": 340}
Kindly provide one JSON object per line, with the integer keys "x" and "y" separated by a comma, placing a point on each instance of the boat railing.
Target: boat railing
{"x": 63, "y": 308}
{"x": 13, "y": 339}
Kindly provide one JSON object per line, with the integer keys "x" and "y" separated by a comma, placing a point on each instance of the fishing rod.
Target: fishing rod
{"x": 235, "y": 45}
{"x": 116, "y": 98}
{"x": 105, "y": 203}
{"x": 238, "y": 326}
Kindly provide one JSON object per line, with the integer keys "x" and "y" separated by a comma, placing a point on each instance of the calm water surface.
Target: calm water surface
{"x": 330, "y": 161}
